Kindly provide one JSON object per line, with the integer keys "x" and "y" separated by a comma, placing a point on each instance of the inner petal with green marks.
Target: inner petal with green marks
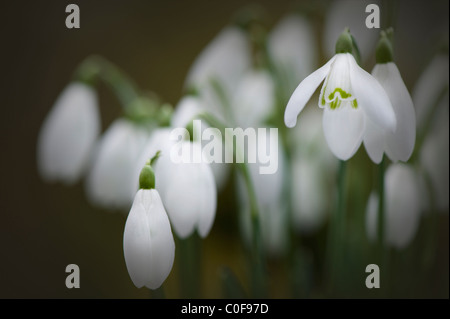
{"x": 337, "y": 87}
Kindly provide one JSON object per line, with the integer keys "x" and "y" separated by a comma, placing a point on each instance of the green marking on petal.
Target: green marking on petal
{"x": 355, "y": 104}
{"x": 342, "y": 93}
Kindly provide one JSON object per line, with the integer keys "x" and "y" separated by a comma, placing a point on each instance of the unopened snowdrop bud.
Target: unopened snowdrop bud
{"x": 148, "y": 243}
{"x": 188, "y": 190}
{"x": 402, "y": 206}
{"x": 68, "y": 134}
{"x": 110, "y": 182}
{"x": 397, "y": 145}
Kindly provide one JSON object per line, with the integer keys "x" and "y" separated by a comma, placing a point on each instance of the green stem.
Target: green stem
{"x": 337, "y": 230}
{"x": 189, "y": 266}
{"x": 257, "y": 257}
{"x": 96, "y": 67}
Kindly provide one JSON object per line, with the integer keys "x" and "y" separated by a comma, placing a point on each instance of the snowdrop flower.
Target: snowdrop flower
{"x": 110, "y": 182}
{"x": 434, "y": 155}
{"x": 185, "y": 112}
{"x": 224, "y": 60}
{"x": 68, "y": 134}
{"x": 402, "y": 206}
{"x": 430, "y": 86}
{"x": 188, "y": 190}
{"x": 254, "y": 99}
{"x": 148, "y": 243}
{"x": 348, "y": 96}
{"x": 292, "y": 48}
{"x": 352, "y": 14}
{"x": 398, "y": 145}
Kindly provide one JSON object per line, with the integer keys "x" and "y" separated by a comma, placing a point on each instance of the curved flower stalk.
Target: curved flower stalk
{"x": 188, "y": 190}
{"x": 348, "y": 96}
{"x": 313, "y": 170}
{"x": 110, "y": 182}
{"x": 434, "y": 155}
{"x": 148, "y": 244}
{"x": 68, "y": 134}
{"x": 349, "y": 13}
{"x": 292, "y": 49}
{"x": 402, "y": 206}
{"x": 397, "y": 145}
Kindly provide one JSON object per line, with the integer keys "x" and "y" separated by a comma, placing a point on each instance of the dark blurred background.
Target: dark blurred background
{"x": 45, "y": 227}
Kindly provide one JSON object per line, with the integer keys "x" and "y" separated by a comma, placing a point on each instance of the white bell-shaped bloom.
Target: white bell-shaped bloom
{"x": 188, "y": 190}
{"x": 110, "y": 182}
{"x": 224, "y": 60}
{"x": 185, "y": 112}
{"x": 351, "y": 14}
{"x": 402, "y": 206}
{"x": 148, "y": 243}
{"x": 254, "y": 99}
{"x": 434, "y": 155}
{"x": 429, "y": 87}
{"x": 68, "y": 134}
{"x": 349, "y": 95}
{"x": 292, "y": 47}
{"x": 398, "y": 146}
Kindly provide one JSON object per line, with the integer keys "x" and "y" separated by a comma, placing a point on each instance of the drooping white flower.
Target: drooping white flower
{"x": 188, "y": 190}
{"x": 398, "y": 146}
{"x": 402, "y": 206}
{"x": 434, "y": 155}
{"x": 429, "y": 87}
{"x": 110, "y": 182}
{"x": 349, "y": 95}
{"x": 148, "y": 243}
{"x": 68, "y": 134}
{"x": 254, "y": 99}
{"x": 185, "y": 112}
{"x": 224, "y": 60}
{"x": 291, "y": 45}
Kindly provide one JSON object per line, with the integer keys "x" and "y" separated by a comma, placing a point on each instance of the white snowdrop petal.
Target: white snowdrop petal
{"x": 189, "y": 194}
{"x": 254, "y": 99}
{"x": 187, "y": 108}
{"x": 148, "y": 243}
{"x": 68, "y": 134}
{"x": 303, "y": 93}
{"x": 110, "y": 182}
{"x": 434, "y": 155}
{"x": 225, "y": 59}
{"x": 292, "y": 47}
{"x": 374, "y": 141}
{"x": 402, "y": 204}
{"x": 429, "y": 86}
{"x": 371, "y": 97}
{"x": 399, "y": 145}
{"x": 343, "y": 129}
